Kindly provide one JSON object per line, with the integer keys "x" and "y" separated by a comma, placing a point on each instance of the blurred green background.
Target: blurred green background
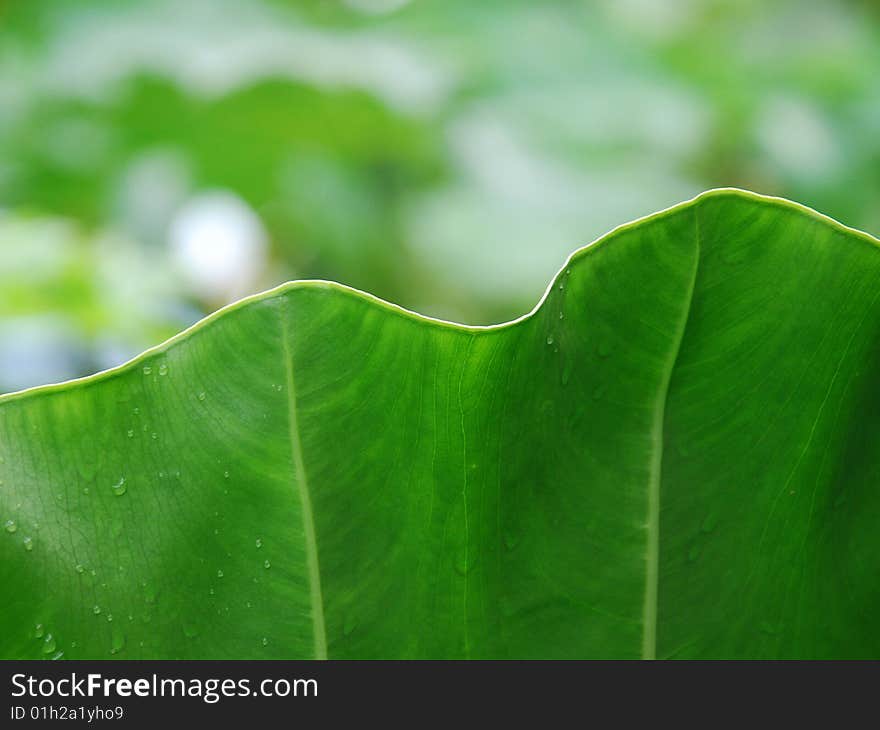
{"x": 161, "y": 158}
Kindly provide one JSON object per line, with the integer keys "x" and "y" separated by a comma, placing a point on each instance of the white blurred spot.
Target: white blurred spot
{"x": 155, "y": 184}
{"x": 213, "y": 47}
{"x": 377, "y": 7}
{"x": 660, "y": 19}
{"x": 795, "y": 136}
{"x": 220, "y": 245}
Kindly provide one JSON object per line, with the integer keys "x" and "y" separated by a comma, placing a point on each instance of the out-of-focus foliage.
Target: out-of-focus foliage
{"x": 160, "y": 158}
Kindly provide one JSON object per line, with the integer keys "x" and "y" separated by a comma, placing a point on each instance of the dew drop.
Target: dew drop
{"x": 267, "y": 564}
{"x": 38, "y": 631}
{"x": 117, "y": 640}
{"x": 154, "y": 435}
{"x": 148, "y": 370}
{"x": 562, "y": 315}
{"x": 561, "y": 285}
{"x": 119, "y": 488}
{"x": 259, "y": 543}
{"x": 96, "y": 609}
{"x": 131, "y": 433}
{"x": 28, "y": 544}
{"x": 136, "y": 411}
{"x": 11, "y": 526}
{"x": 202, "y": 395}
{"x": 80, "y": 568}
{"x": 264, "y": 641}
{"x": 109, "y": 616}
{"x": 226, "y": 475}
{"x": 219, "y": 573}
{"x": 163, "y": 369}
{"x": 48, "y": 644}
{"x": 549, "y": 339}
{"x": 57, "y": 656}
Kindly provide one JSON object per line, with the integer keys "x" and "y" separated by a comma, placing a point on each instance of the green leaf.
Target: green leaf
{"x": 676, "y": 454}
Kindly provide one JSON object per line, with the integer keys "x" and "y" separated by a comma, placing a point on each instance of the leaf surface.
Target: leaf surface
{"x": 676, "y": 454}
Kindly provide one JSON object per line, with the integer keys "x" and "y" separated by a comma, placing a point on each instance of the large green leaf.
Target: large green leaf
{"x": 676, "y": 454}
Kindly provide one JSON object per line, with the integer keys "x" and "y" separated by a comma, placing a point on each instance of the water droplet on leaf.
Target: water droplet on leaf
{"x": 117, "y": 640}
{"x": 48, "y": 644}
